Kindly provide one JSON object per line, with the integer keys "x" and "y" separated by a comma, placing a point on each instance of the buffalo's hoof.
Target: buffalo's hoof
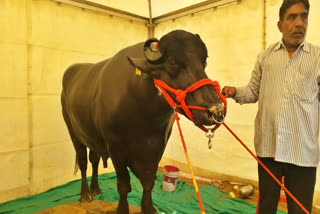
{"x": 123, "y": 207}
{"x": 121, "y": 210}
{"x": 96, "y": 192}
{"x": 85, "y": 198}
{"x": 154, "y": 211}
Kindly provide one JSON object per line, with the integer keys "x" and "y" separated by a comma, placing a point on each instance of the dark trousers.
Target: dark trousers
{"x": 300, "y": 181}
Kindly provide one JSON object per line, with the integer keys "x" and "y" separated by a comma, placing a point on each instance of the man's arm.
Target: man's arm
{"x": 250, "y": 92}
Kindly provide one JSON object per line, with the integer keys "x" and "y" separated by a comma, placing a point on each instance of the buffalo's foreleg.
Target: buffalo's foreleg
{"x": 146, "y": 171}
{"x": 145, "y": 168}
{"x": 94, "y": 186}
{"x": 124, "y": 188}
{"x": 147, "y": 181}
{"x": 123, "y": 185}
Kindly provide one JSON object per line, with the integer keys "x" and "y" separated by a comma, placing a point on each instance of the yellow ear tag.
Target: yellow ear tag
{"x": 138, "y": 72}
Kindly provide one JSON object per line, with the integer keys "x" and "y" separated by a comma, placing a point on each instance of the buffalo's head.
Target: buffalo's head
{"x": 179, "y": 60}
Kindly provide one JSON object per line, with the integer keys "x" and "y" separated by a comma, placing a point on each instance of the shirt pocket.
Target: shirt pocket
{"x": 305, "y": 87}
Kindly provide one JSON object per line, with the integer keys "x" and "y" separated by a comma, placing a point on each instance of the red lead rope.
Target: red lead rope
{"x": 268, "y": 171}
{"x": 176, "y": 117}
{"x": 180, "y": 97}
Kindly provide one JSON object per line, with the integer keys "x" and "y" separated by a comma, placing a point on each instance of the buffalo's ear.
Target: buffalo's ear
{"x": 146, "y": 67}
{"x": 139, "y": 63}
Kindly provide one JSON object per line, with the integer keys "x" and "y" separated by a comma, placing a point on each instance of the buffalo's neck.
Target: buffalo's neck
{"x": 134, "y": 108}
{"x": 141, "y": 110}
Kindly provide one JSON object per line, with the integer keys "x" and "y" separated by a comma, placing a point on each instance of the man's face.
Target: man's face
{"x": 294, "y": 25}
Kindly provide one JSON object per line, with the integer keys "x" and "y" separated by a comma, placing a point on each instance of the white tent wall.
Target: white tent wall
{"x": 14, "y": 154}
{"x": 234, "y": 36}
{"x": 139, "y": 7}
{"x": 166, "y": 6}
{"x": 39, "y": 39}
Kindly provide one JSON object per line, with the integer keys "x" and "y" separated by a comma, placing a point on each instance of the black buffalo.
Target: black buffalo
{"x": 116, "y": 112}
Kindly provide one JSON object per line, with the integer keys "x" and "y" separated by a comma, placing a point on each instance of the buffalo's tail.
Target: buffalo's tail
{"x": 76, "y": 166}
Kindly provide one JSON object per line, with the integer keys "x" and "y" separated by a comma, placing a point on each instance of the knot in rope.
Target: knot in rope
{"x": 180, "y": 95}
{"x": 176, "y": 116}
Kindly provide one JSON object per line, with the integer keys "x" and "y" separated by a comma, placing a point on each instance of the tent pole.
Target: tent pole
{"x": 150, "y": 25}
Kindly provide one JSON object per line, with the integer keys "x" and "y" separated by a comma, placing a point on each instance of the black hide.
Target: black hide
{"x": 116, "y": 113}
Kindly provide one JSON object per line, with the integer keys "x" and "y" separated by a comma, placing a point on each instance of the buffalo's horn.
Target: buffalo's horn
{"x": 151, "y": 50}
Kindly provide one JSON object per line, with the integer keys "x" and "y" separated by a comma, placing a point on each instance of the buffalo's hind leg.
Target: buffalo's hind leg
{"x": 94, "y": 158}
{"x": 81, "y": 160}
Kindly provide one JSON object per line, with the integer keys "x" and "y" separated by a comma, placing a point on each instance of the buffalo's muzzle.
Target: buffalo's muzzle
{"x": 218, "y": 113}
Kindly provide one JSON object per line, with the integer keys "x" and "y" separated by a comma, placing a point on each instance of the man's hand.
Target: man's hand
{"x": 230, "y": 91}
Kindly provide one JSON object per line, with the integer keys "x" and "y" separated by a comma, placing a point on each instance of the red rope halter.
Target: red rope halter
{"x": 181, "y": 95}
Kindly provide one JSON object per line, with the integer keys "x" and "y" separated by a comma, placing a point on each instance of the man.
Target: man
{"x": 286, "y": 81}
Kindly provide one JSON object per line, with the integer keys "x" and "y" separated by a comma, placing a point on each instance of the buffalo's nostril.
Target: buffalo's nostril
{"x": 218, "y": 113}
{"x": 217, "y": 110}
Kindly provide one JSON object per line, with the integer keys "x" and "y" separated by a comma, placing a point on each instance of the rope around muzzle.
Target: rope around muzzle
{"x": 182, "y": 94}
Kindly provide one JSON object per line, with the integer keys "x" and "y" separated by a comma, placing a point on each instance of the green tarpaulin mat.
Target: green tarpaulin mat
{"x": 182, "y": 201}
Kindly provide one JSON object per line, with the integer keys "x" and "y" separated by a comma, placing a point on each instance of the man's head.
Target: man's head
{"x": 293, "y": 21}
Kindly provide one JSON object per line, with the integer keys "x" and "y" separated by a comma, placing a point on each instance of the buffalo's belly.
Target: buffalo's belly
{"x": 85, "y": 134}
{"x": 136, "y": 145}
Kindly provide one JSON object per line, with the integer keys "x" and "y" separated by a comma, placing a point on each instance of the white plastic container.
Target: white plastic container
{"x": 170, "y": 176}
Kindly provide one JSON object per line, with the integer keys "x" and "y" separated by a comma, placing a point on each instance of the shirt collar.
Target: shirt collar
{"x": 304, "y": 45}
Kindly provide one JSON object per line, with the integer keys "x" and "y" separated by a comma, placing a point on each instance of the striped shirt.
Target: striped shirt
{"x": 287, "y": 121}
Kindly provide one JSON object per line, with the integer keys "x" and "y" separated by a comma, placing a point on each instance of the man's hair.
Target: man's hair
{"x": 288, "y": 3}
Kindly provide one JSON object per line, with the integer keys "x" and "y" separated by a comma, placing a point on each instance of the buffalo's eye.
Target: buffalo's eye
{"x": 172, "y": 67}
{"x": 172, "y": 63}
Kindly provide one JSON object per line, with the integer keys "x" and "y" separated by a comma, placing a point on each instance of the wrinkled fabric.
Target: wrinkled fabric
{"x": 183, "y": 200}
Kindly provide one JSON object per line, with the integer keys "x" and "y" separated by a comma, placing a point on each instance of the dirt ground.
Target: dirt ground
{"x": 99, "y": 207}
{"x": 94, "y": 207}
